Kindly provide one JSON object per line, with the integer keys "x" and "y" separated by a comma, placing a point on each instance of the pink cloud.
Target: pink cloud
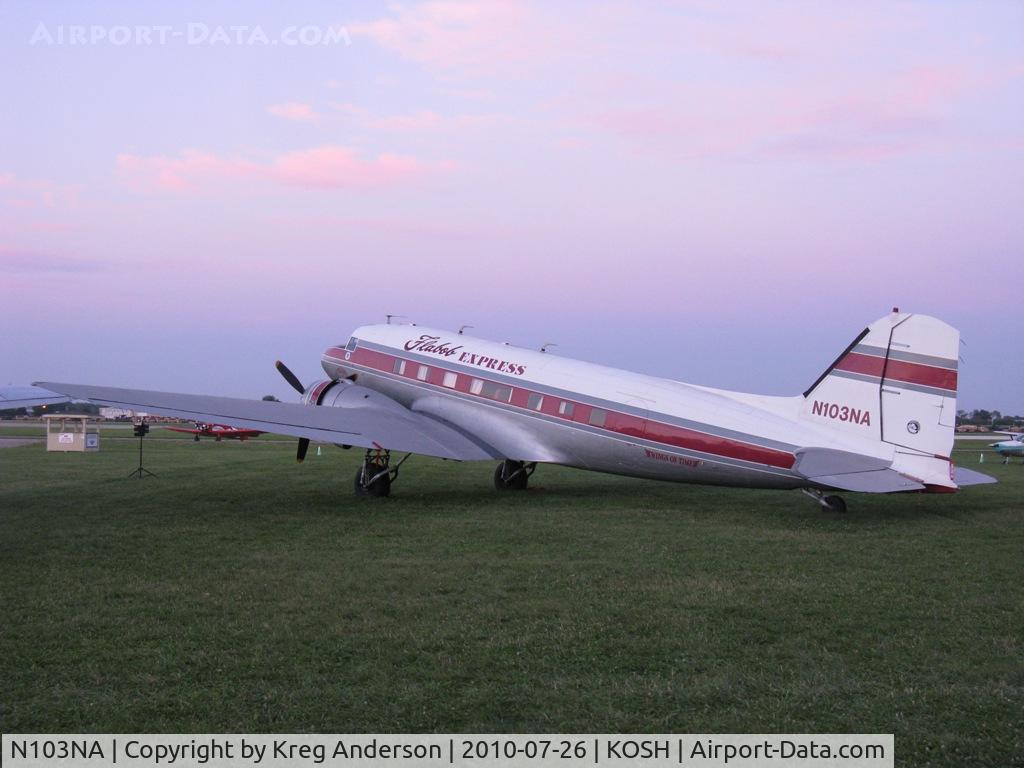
{"x": 38, "y": 193}
{"x": 332, "y": 167}
{"x": 458, "y": 34}
{"x": 293, "y": 111}
{"x": 427, "y": 120}
{"x": 326, "y": 167}
{"x": 23, "y": 261}
{"x": 182, "y": 172}
{"x": 419, "y": 121}
{"x": 876, "y": 116}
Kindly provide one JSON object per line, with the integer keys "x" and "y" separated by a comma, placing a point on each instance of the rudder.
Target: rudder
{"x": 896, "y": 383}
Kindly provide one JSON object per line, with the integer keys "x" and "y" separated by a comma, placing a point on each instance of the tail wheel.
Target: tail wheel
{"x": 835, "y": 504}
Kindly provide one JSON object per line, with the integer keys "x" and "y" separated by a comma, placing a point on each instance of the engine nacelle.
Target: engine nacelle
{"x": 347, "y": 394}
{"x": 315, "y": 392}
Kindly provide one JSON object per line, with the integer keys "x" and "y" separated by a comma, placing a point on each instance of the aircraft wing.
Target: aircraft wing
{"x": 26, "y": 397}
{"x": 369, "y": 420}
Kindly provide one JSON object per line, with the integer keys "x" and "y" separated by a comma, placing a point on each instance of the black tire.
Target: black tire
{"x": 836, "y": 504}
{"x": 506, "y": 468}
{"x": 380, "y": 488}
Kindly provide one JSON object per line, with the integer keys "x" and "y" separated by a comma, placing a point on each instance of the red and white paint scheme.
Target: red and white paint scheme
{"x": 880, "y": 419}
{"x": 218, "y": 432}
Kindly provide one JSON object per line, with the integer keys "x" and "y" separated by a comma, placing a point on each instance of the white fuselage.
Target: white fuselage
{"x": 1013, "y": 447}
{"x": 531, "y": 406}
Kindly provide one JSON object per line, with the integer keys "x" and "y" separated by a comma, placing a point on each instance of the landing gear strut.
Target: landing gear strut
{"x": 513, "y": 475}
{"x": 831, "y": 503}
{"x": 374, "y": 477}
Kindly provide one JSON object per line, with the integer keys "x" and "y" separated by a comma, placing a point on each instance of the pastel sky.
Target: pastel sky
{"x": 720, "y": 192}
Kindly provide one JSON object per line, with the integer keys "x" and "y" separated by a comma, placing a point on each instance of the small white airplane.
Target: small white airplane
{"x": 1009, "y": 448}
{"x": 880, "y": 419}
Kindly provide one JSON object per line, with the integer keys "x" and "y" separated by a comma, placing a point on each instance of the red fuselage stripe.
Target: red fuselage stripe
{"x": 580, "y": 413}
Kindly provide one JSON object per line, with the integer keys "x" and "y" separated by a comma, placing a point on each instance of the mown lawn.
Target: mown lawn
{"x": 239, "y": 592}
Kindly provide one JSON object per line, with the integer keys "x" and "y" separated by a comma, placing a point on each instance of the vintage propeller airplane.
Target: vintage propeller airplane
{"x": 880, "y": 419}
{"x": 217, "y": 431}
{"x": 1009, "y": 448}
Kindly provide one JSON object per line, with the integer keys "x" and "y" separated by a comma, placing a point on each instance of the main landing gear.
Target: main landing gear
{"x": 513, "y": 475}
{"x": 831, "y": 503}
{"x": 375, "y": 475}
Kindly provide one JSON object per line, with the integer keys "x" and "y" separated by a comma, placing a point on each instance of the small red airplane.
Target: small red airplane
{"x": 217, "y": 431}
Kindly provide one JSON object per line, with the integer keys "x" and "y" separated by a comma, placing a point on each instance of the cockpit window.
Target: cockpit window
{"x": 352, "y": 342}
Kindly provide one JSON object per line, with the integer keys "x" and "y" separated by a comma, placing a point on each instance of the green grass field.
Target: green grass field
{"x": 240, "y": 592}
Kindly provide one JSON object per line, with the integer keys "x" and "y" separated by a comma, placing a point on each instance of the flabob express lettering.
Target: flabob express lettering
{"x": 434, "y": 346}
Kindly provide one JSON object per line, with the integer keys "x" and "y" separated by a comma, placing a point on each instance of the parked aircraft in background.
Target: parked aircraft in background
{"x": 880, "y": 419}
{"x": 217, "y": 431}
{"x": 1009, "y": 448}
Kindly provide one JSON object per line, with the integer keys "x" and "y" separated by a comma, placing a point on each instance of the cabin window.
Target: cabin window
{"x": 422, "y": 373}
{"x": 565, "y": 408}
{"x": 535, "y": 401}
{"x": 352, "y": 342}
{"x": 450, "y": 379}
{"x": 496, "y": 391}
{"x": 597, "y": 417}
{"x": 475, "y": 386}
{"x": 400, "y": 367}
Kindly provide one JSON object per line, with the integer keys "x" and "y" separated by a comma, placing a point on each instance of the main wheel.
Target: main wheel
{"x": 503, "y": 479}
{"x": 835, "y": 504}
{"x": 380, "y": 487}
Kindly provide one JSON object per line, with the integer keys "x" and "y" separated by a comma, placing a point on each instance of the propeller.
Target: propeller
{"x": 291, "y": 378}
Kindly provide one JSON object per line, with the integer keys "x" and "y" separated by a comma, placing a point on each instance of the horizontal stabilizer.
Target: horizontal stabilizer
{"x": 879, "y": 481}
{"x": 963, "y": 477}
{"x": 813, "y": 462}
{"x": 849, "y": 471}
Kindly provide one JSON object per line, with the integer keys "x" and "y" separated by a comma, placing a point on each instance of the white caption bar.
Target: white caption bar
{"x": 424, "y": 751}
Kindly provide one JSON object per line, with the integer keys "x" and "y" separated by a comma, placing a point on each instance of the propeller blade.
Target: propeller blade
{"x": 290, "y": 377}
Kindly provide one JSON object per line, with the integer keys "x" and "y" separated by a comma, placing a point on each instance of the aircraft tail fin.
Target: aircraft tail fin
{"x": 896, "y": 383}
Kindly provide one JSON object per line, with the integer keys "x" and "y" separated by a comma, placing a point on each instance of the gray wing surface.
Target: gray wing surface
{"x": 366, "y": 419}
{"x": 964, "y": 477}
{"x": 851, "y": 471}
{"x": 26, "y": 397}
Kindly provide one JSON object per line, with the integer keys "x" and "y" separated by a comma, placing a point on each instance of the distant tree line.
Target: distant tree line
{"x": 40, "y": 410}
{"x": 84, "y": 408}
{"x": 993, "y": 419}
